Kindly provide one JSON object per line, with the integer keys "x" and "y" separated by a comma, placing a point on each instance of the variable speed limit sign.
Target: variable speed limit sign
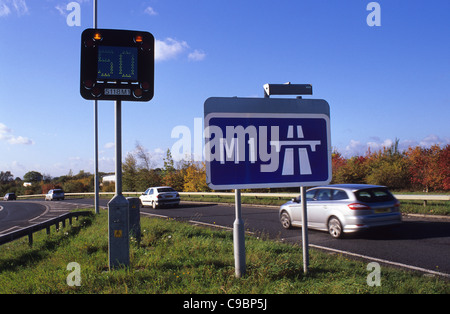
{"x": 117, "y": 65}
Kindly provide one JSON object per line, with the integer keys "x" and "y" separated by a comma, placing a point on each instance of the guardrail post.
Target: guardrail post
{"x": 28, "y": 231}
{"x": 30, "y": 238}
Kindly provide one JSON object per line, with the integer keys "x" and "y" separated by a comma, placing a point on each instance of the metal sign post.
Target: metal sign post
{"x": 305, "y": 247}
{"x": 117, "y": 65}
{"x": 239, "y": 237}
{"x": 96, "y": 178}
{"x": 118, "y": 216}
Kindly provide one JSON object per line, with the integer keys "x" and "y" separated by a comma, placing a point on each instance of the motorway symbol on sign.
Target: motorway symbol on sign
{"x": 267, "y": 149}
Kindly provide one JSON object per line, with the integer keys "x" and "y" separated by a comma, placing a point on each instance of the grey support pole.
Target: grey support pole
{"x": 239, "y": 238}
{"x": 96, "y": 178}
{"x": 119, "y": 245}
{"x": 304, "y": 230}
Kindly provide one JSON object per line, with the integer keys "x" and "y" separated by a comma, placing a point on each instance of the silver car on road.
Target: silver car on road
{"x": 54, "y": 194}
{"x": 344, "y": 208}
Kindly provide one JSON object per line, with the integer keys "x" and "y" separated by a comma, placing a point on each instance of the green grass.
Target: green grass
{"x": 176, "y": 257}
{"x": 433, "y": 207}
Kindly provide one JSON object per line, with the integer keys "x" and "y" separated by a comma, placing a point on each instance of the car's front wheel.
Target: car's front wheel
{"x": 335, "y": 228}
{"x": 285, "y": 220}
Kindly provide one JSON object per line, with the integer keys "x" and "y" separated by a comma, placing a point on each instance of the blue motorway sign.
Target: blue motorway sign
{"x": 270, "y": 143}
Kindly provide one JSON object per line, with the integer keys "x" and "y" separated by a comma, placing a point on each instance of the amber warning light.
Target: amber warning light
{"x": 117, "y": 65}
{"x": 97, "y": 36}
{"x": 138, "y": 39}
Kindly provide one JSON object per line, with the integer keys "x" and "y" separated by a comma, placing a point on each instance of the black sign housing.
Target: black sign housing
{"x": 117, "y": 65}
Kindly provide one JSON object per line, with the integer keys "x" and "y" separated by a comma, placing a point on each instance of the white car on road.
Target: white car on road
{"x": 160, "y": 196}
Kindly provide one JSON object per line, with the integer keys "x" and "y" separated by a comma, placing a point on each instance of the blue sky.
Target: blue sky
{"x": 382, "y": 82}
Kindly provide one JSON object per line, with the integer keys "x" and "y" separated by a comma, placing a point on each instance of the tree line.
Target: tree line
{"x": 138, "y": 173}
{"x": 417, "y": 169}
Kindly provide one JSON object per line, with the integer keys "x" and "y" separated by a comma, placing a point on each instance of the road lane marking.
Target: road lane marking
{"x": 381, "y": 260}
{"x": 3, "y": 232}
{"x": 47, "y": 209}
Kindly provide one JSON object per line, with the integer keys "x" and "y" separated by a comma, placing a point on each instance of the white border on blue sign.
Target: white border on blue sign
{"x": 209, "y": 116}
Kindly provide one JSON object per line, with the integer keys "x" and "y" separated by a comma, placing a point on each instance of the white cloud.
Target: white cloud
{"x": 150, "y": 11}
{"x": 4, "y": 9}
{"x": 6, "y": 134}
{"x": 20, "y": 6}
{"x": 159, "y": 151}
{"x": 169, "y": 49}
{"x": 61, "y": 9}
{"x": 197, "y": 55}
{"x": 20, "y": 140}
{"x": 109, "y": 145}
{"x": 7, "y": 6}
{"x": 433, "y": 139}
{"x": 358, "y": 148}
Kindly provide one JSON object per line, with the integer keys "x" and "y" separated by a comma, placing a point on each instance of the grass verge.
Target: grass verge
{"x": 176, "y": 257}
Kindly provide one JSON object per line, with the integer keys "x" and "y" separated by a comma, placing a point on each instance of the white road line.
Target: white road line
{"x": 155, "y": 215}
{"x": 381, "y": 260}
{"x": 47, "y": 209}
{"x": 198, "y": 223}
{"x": 210, "y": 225}
{"x": 3, "y": 232}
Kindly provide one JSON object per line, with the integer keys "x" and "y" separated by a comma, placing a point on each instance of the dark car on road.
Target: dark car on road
{"x": 10, "y": 197}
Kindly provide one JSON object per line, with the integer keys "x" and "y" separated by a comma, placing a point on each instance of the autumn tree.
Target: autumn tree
{"x": 388, "y": 167}
{"x": 138, "y": 174}
{"x": 129, "y": 173}
{"x": 427, "y": 167}
{"x": 444, "y": 165}
{"x": 354, "y": 170}
{"x": 337, "y": 162}
{"x": 195, "y": 178}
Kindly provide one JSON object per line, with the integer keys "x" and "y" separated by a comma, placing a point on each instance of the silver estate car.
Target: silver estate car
{"x": 344, "y": 208}
{"x": 54, "y": 194}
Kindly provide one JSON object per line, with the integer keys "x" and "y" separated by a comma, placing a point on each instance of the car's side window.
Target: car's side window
{"x": 151, "y": 192}
{"x": 339, "y": 195}
{"x": 324, "y": 195}
{"x": 310, "y": 195}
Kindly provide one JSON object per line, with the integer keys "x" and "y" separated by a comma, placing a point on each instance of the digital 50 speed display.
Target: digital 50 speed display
{"x": 117, "y": 65}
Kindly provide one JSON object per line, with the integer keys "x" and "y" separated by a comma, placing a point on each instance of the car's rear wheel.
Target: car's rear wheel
{"x": 285, "y": 220}
{"x": 335, "y": 228}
